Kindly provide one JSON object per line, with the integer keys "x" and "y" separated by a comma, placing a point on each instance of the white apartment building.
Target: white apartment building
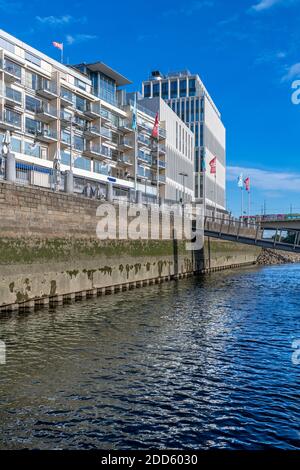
{"x": 187, "y": 96}
{"x": 179, "y": 149}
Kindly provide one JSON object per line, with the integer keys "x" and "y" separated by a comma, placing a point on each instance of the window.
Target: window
{"x": 80, "y": 103}
{"x": 66, "y": 94}
{"x": 192, "y": 110}
{"x": 192, "y": 87}
{"x": 65, "y": 158}
{"x": 16, "y": 145}
{"x": 12, "y": 117}
{"x": 107, "y": 89}
{"x": 174, "y": 89}
{"x": 201, "y": 135}
{"x": 32, "y": 58}
{"x": 173, "y": 106}
{"x": 165, "y": 90}
{"x": 32, "y": 104}
{"x": 80, "y": 84}
{"x": 13, "y": 68}
{"x": 65, "y": 137}
{"x": 187, "y": 118}
{"x": 197, "y": 110}
{"x": 102, "y": 169}
{"x": 4, "y": 44}
{"x": 182, "y": 110}
{"x": 183, "y": 88}
{"x": 196, "y": 135}
{"x": 155, "y": 89}
{"x": 32, "y": 126}
{"x": 13, "y": 95}
{"x": 82, "y": 163}
{"x": 78, "y": 142}
{"x": 147, "y": 91}
{"x": 31, "y": 80}
{"x": 32, "y": 149}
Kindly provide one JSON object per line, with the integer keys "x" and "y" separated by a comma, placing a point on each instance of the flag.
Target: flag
{"x": 240, "y": 181}
{"x": 247, "y": 184}
{"x": 134, "y": 113}
{"x": 203, "y": 164}
{"x": 155, "y": 127}
{"x": 58, "y": 45}
{"x": 213, "y": 166}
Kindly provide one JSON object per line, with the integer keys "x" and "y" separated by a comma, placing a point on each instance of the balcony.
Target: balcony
{"x": 98, "y": 151}
{"x": 12, "y": 72}
{"x": 144, "y": 158}
{"x": 47, "y": 89}
{"x": 126, "y": 126}
{"x": 66, "y": 97}
{"x": 65, "y": 118}
{"x": 90, "y": 132}
{"x": 13, "y": 97}
{"x": 105, "y": 116}
{"x": 92, "y": 110}
{"x": 161, "y": 149}
{"x": 45, "y": 135}
{"x": 161, "y": 163}
{"x": 105, "y": 133}
{"x": 10, "y": 120}
{"x": 161, "y": 178}
{"x": 125, "y": 160}
{"x": 143, "y": 140}
{"x": 126, "y": 144}
{"x": 46, "y": 113}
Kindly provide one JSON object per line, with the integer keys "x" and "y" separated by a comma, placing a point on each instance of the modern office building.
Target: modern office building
{"x": 179, "y": 151}
{"x": 187, "y": 96}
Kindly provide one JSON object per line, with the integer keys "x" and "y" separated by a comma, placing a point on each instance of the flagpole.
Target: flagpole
{"x": 215, "y": 195}
{"x": 157, "y": 164}
{"x": 136, "y": 143}
{"x": 242, "y": 202}
{"x": 62, "y": 54}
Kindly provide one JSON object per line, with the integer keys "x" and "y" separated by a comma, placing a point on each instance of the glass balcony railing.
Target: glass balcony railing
{"x": 46, "y": 109}
{"x": 105, "y": 114}
{"x": 11, "y": 68}
{"x": 66, "y": 95}
{"x": 144, "y": 157}
{"x": 105, "y": 132}
{"x": 11, "y": 118}
{"x": 47, "y": 87}
{"x": 13, "y": 95}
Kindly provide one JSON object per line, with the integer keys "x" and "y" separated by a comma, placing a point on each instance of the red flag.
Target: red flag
{"x": 58, "y": 45}
{"x": 213, "y": 166}
{"x": 155, "y": 127}
{"x": 247, "y": 183}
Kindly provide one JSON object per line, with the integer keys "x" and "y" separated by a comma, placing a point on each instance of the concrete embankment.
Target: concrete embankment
{"x": 49, "y": 252}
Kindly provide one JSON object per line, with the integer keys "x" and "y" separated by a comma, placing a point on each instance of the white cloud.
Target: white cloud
{"x": 292, "y": 72}
{"x": 267, "y": 180}
{"x": 267, "y": 4}
{"x": 79, "y": 38}
{"x": 59, "y": 20}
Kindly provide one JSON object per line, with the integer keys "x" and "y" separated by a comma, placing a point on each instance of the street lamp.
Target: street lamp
{"x": 184, "y": 175}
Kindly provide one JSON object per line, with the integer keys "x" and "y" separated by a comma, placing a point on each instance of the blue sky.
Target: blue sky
{"x": 246, "y": 52}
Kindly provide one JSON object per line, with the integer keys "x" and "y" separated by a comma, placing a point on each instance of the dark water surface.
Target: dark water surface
{"x": 201, "y": 363}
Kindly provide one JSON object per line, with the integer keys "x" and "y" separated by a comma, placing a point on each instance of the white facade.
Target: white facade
{"x": 187, "y": 96}
{"x": 180, "y": 152}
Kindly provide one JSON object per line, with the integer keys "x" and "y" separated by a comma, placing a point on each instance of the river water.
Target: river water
{"x": 200, "y": 363}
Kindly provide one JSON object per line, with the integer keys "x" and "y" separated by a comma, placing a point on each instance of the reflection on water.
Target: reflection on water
{"x": 201, "y": 363}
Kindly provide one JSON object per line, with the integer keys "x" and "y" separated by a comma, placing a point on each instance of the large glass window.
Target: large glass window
{"x": 80, "y": 103}
{"x": 107, "y": 89}
{"x": 16, "y": 145}
{"x": 147, "y": 91}
{"x": 192, "y": 87}
{"x": 174, "y": 89}
{"x": 156, "y": 89}
{"x": 31, "y": 80}
{"x": 187, "y": 116}
{"x": 13, "y": 68}
{"x": 183, "y": 88}
{"x": 78, "y": 142}
{"x": 32, "y": 149}
{"x": 32, "y": 104}
{"x": 14, "y": 95}
{"x": 32, "y": 126}
{"x": 165, "y": 90}
{"x": 82, "y": 163}
{"x": 32, "y": 58}
{"x": 196, "y": 135}
{"x": 197, "y": 110}
{"x": 12, "y": 117}
{"x": 192, "y": 110}
{"x": 182, "y": 110}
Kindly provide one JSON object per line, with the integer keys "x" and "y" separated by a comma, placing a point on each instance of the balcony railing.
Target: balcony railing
{"x": 105, "y": 132}
{"x": 100, "y": 150}
{"x": 47, "y": 88}
{"x": 43, "y": 133}
{"x": 13, "y": 95}
{"x": 46, "y": 109}
{"x": 14, "y": 70}
{"x": 161, "y": 163}
{"x": 11, "y": 118}
{"x": 66, "y": 96}
{"x": 144, "y": 157}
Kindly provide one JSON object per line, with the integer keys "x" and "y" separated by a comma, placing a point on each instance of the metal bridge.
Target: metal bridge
{"x": 248, "y": 233}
